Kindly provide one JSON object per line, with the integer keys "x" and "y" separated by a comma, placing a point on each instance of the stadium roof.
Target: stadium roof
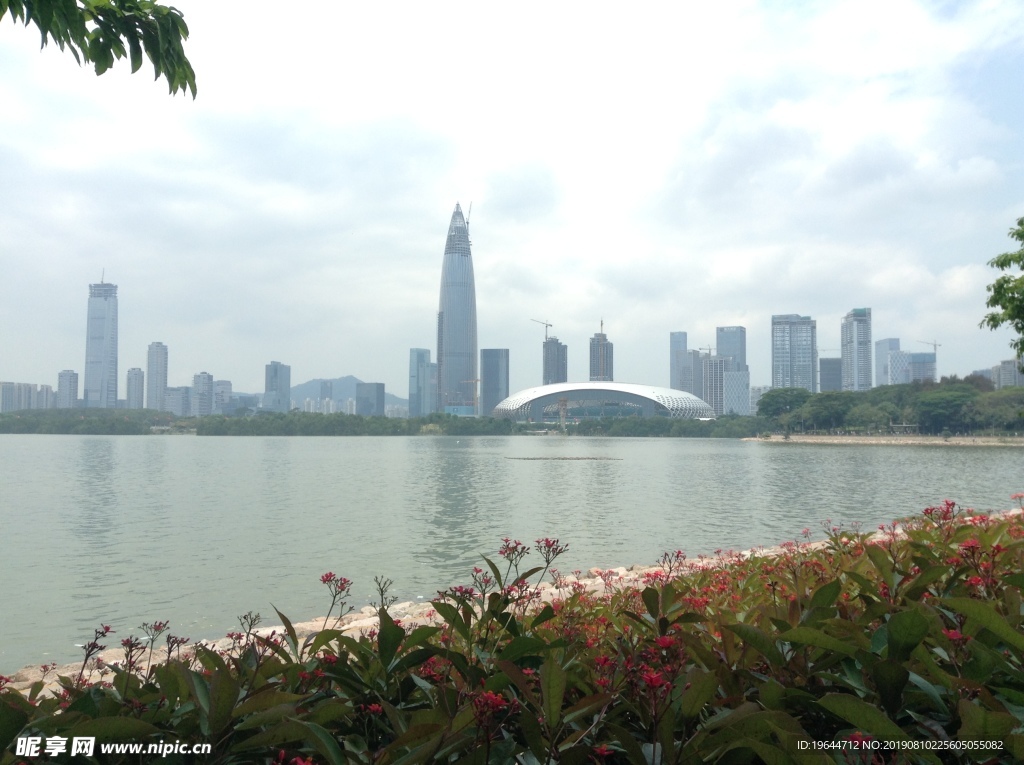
{"x": 602, "y": 399}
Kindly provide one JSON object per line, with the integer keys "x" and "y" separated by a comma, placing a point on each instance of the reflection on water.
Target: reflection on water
{"x": 197, "y": 530}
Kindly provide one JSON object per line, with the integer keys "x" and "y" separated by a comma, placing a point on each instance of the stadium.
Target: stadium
{"x": 594, "y": 400}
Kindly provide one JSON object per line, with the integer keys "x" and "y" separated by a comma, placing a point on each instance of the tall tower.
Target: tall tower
{"x": 456, "y": 323}
{"x": 601, "y": 357}
{"x": 422, "y": 399}
{"x": 556, "y": 361}
{"x": 677, "y": 359}
{"x": 856, "y": 347}
{"x": 794, "y": 352}
{"x": 156, "y": 377}
{"x": 277, "y": 396}
{"x": 135, "y": 388}
{"x": 100, "y": 387}
{"x": 493, "y": 379}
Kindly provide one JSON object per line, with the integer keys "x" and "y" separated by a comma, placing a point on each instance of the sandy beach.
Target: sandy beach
{"x": 890, "y": 440}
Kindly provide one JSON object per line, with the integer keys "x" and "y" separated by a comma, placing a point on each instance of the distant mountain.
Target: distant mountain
{"x": 343, "y": 388}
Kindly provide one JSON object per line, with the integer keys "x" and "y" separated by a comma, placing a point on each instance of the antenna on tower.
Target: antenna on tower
{"x": 103, "y": 272}
{"x": 468, "y": 213}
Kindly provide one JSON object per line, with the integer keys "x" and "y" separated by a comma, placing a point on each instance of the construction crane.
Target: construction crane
{"x": 546, "y": 324}
{"x": 935, "y": 346}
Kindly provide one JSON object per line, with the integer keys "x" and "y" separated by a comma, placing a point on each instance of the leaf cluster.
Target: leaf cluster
{"x": 101, "y": 31}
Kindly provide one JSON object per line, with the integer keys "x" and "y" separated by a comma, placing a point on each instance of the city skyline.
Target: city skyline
{"x": 263, "y": 220}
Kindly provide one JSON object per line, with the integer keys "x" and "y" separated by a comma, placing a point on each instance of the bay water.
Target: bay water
{"x": 196, "y": 531}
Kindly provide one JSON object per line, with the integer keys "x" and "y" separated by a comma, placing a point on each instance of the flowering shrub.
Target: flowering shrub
{"x": 813, "y": 654}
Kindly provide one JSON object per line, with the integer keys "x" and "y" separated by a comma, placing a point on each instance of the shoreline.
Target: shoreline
{"x": 412, "y": 614}
{"x": 893, "y": 440}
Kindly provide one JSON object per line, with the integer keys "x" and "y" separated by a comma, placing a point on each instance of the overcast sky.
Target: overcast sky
{"x": 675, "y": 166}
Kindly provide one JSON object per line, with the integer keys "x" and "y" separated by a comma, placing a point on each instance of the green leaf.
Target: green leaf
{"x": 652, "y": 599}
{"x": 818, "y": 639}
{"x": 452, "y": 617}
{"x": 552, "y": 685}
{"x": 890, "y": 678}
{"x": 265, "y": 698}
{"x": 11, "y": 722}
{"x": 863, "y": 716}
{"x": 826, "y": 595}
{"x": 762, "y": 642}
{"x": 547, "y": 613}
{"x": 114, "y": 729}
{"x": 880, "y": 557}
{"x": 293, "y": 639}
{"x": 523, "y": 645}
{"x": 389, "y": 638}
{"x": 702, "y": 689}
{"x": 977, "y": 724}
{"x": 629, "y": 744}
{"x": 1017, "y": 580}
{"x": 987, "y": 617}
{"x": 324, "y": 742}
{"x": 906, "y": 630}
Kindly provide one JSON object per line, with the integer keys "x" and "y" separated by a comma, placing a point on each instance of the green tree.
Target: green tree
{"x": 1006, "y": 293}
{"x": 102, "y": 31}
{"x": 775, "y": 403}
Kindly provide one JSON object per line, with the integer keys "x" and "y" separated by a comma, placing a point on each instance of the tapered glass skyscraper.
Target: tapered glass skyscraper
{"x": 100, "y": 389}
{"x": 456, "y": 323}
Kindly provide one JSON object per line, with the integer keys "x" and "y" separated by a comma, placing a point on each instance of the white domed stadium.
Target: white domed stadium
{"x": 594, "y": 400}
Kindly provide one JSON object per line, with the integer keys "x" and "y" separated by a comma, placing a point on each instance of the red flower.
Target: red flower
{"x": 665, "y": 641}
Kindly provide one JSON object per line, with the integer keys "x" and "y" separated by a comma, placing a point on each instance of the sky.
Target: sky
{"x": 666, "y": 167}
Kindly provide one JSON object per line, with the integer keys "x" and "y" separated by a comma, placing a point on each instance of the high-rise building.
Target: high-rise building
{"x": 676, "y": 359}
{"x": 493, "y": 378}
{"x": 67, "y": 389}
{"x": 202, "y": 394}
{"x": 693, "y": 373}
{"x": 156, "y": 376}
{"x": 136, "y": 388}
{"x": 856, "y": 349}
{"x": 906, "y": 367}
{"x": 882, "y": 350}
{"x": 601, "y": 369}
{"x": 756, "y": 391}
{"x": 100, "y": 386}
{"x": 178, "y": 401}
{"x": 726, "y": 387}
{"x": 794, "y": 352}
{"x": 830, "y": 374}
{"x": 370, "y": 399}
{"x": 731, "y": 343}
{"x": 277, "y": 396}
{"x": 222, "y": 397}
{"x": 556, "y": 361}
{"x": 45, "y": 398}
{"x": 422, "y": 390}
{"x": 1007, "y": 374}
{"x": 456, "y": 323}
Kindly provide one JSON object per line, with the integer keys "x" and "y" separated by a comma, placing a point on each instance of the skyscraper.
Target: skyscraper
{"x": 830, "y": 374}
{"x": 422, "y": 395}
{"x": 676, "y": 359}
{"x": 202, "y": 394}
{"x": 67, "y": 389}
{"x": 135, "y": 389}
{"x": 794, "y": 352}
{"x": 156, "y": 377}
{"x": 601, "y": 367}
{"x": 277, "y": 396}
{"x": 456, "y": 323}
{"x": 556, "y": 362}
{"x": 100, "y": 387}
{"x": 493, "y": 378}
{"x": 370, "y": 399}
{"x": 882, "y": 348}
{"x": 732, "y": 343}
{"x": 856, "y": 348}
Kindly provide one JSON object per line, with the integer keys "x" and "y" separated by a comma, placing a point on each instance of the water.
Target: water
{"x": 196, "y": 531}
